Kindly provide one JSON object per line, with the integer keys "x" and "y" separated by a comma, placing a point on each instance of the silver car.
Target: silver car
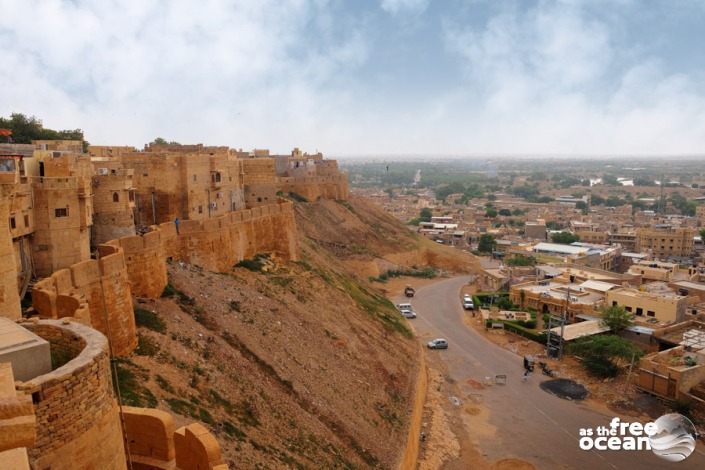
{"x": 438, "y": 343}
{"x": 408, "y": 313}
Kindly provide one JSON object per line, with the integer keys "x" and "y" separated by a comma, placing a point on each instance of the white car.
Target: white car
{"x": 408, "y": 313}
{"x": 438, "y": 343}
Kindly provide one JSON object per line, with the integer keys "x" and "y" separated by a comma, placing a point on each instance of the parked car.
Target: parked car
{"x": 408, "y": 313}
{"x": 438, "y": 343}
{"x": 468, "y": 304}
{"x": 404, "y": 306}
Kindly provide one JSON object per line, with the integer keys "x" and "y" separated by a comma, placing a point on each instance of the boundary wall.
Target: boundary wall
{"x": 215, "y": 244}
{"x": 315, "y": 187}
{"x": 155, "y": 445}
{"x": 89, "y": 292}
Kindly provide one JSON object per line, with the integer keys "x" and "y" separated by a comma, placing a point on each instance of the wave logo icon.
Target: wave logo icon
{"x": 675, "y": 439}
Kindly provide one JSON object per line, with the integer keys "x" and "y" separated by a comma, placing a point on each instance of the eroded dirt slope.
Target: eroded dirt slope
{"x": 290, "y": 364}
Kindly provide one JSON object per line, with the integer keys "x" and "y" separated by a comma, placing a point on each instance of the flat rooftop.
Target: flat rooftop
{"x": 556, "y": 290}
{"x": 578, "y": 330}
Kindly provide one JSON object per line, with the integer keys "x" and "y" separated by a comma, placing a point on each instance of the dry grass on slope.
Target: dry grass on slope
{"x": 372, "y": 241}
{"x": 302, "y": 366}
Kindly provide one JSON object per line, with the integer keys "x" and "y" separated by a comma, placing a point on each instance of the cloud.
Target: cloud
{"x": 230, "y": 73}
{"x": 557, "y": 78}
{"x": 396, "y": 7}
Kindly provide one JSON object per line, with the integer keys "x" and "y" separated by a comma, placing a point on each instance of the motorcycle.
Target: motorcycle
{"x": 545, "y": 370}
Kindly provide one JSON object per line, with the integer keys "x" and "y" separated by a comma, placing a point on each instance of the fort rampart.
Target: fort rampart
{"x": 95, "y": 293}
{"x": 98, "y": 293}
{"x": 215, "y": 244}
{"x": 315, "y": 187}
{"x": 154, "y": 444}
{"x": 77, "y": 415}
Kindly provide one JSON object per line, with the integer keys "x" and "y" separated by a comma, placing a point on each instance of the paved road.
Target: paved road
{"x": 531, "y": 424}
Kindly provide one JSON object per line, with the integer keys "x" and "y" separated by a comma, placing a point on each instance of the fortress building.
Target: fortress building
{"x": 69, "y": 222}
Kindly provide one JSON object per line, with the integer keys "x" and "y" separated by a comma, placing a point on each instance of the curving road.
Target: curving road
{"x": 531, "y": 424}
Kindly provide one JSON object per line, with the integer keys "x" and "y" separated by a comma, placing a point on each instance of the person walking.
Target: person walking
{"x": 177, "y": 222}
{"x": 526, "y": 376}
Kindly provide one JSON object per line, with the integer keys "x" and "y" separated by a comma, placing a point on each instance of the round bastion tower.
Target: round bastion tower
{"x": 77, "y": 415}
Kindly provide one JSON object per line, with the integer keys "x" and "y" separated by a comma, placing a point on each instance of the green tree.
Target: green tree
{"x": 520, "y": 260}
{"x": 610, "y": 180}
{"x": 486, "y": 243}
{"x": 597, "y": 200}
{"x": 505, "y": 212}
{"x": 491, "y": 213}
{"x": 564, "y": 238}
{"x": 26, "y": 129}
{"x": 702, "y": 234}
{"x": 553, "y": 225}
{"x": 425, "y": 214}
{"x": 582, "y": 206}
{"x": 616, "y": 318}
{"x": 162, "y": 141}
{"x": 602, "y": 354}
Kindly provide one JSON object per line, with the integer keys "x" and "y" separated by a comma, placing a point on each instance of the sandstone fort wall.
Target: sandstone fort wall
{"x": 9, "y": 296}
{"x": 90, "y": 292}
{"x": 315, "y": 187}
{"x": 154, "y": 444}
{"x": 77, "y": 416}
{"x": 215, "y": 244}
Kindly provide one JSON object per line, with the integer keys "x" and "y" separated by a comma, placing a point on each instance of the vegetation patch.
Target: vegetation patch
{"x": 164, "y": 384}
{"x": 146, "y": 346}
{"x": 233, "y": 431}
{"x": 131, "y": 379}
{"x": 150, "y": 320}
{"x": 427, "y": 273}
{"x": 378, "y": 306}
{"x": 181, "y": 407}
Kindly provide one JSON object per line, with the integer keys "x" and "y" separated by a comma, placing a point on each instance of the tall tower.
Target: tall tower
{"x": 113, "y": 204}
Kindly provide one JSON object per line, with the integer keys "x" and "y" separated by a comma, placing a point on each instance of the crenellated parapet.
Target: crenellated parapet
{"x": 95, "y": 293}
{"x": 215, "y": 244}
{"x": 154, "y": 444}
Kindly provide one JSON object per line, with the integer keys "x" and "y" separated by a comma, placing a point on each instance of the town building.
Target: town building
{"x": 664, "y": 241}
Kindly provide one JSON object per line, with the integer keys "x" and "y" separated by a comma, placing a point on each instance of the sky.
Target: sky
{"x": 364, "y": 77}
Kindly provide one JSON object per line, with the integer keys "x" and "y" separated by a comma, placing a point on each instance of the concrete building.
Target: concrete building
{"x": 665, "y": 308}
{"x": 664, "y": 241}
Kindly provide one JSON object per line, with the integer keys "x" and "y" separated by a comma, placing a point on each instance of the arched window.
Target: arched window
{"x": 116, "y": 197}
{"x": 217, "y": 177}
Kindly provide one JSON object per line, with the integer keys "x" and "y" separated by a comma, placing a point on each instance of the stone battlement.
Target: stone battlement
{"x": 89, "y": 292}
{"x": 153, "y": 442}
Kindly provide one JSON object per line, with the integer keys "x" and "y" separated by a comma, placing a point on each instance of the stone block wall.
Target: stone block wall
{"x": 9, "y": 296}
{"x": 215, "y": 244}
{"x": 316, "y": 187}
{"x": 59, "y": 241}
{"x": 145, "y": 257}
{"x": 77, "y": 415}
{"x": 113, "y": 204}
{"x": 89, "y": 292}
